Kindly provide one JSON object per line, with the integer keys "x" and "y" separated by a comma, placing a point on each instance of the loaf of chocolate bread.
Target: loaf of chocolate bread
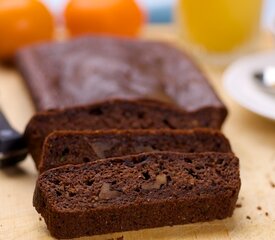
{"x": 74, "y": 147}
{"x": 90, "y": 69}
{"x": 113, "y": 114}
{"x": 135, "y": 192}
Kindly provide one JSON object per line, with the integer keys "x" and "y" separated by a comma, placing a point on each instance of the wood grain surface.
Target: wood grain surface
{"x": 252, "y": 138}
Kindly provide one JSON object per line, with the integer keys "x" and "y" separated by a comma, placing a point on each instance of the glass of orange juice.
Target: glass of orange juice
{"x": 219, "y": 28}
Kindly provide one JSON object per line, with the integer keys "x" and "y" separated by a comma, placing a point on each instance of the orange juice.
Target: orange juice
{"x": 219, "y": 25}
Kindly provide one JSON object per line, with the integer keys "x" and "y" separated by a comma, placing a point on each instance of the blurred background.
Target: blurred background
{"x": 194, "y": 22}
{"x": 213, "y": 30}
{"x": 161, "y": 11}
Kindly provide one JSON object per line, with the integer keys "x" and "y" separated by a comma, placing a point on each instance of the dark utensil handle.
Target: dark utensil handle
{"x": 4, "y": 124}
{"x": 12, "y": 144}
{"x": 9, "y": 138}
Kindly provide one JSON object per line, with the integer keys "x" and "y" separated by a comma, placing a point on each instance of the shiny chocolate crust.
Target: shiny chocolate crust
{"x": 90, "y": 69}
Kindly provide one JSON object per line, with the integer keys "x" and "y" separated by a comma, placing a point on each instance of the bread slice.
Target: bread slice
{"x": 115, "y": 114}
{"x": 74, "y": 147}
{"x": 135, "y": 192}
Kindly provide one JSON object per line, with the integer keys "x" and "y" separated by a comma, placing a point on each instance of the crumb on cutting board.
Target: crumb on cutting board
{"x": 266, "y": 213}
{"x": 259, "y": 208}
{"x": 239, "y": 205}
{"x": 119, "y": 238}
{"x": 248, "y": 217}
{"x": 272, "y": 184}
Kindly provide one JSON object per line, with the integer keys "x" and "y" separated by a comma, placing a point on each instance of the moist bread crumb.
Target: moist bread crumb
{"x": 74, "y": 147}
{"x": 115, "y": 114}
{"x": 198, "y": 187}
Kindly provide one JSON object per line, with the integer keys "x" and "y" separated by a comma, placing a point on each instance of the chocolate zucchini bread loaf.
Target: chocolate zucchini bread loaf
{"x": 90, "y": 69}
{"x": 74, "y": 147}
{"x": 114, "y": 114}
{"x": 135, "y": 192}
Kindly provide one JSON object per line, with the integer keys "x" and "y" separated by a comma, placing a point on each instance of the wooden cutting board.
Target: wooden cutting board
{"x": 252, "y": 138}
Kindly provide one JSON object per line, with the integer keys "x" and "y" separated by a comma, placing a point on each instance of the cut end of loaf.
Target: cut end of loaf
{"x": 116, "y": 114}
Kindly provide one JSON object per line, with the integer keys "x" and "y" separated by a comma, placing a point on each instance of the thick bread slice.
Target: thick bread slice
{"x": 74, "y": 147}
{"x": 135, "y": 192}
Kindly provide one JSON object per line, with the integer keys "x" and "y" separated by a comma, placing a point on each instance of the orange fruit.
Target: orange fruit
{"x": 117, "y": 17}
{"x": 23, "y": 22}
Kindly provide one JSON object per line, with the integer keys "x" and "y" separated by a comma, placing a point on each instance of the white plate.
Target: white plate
{"x": 239, "y": 83}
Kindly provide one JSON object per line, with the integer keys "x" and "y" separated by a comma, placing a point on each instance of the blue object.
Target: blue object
{"x": 268, "y": 19}
{"x": 159, "y": 11}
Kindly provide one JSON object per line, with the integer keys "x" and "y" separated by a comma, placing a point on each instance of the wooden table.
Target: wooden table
{"x": 252, "y": 138}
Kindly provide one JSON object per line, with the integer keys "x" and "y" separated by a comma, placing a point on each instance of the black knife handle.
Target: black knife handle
{"x": 10, "y": 139}
{"x": 4, "y": 124}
